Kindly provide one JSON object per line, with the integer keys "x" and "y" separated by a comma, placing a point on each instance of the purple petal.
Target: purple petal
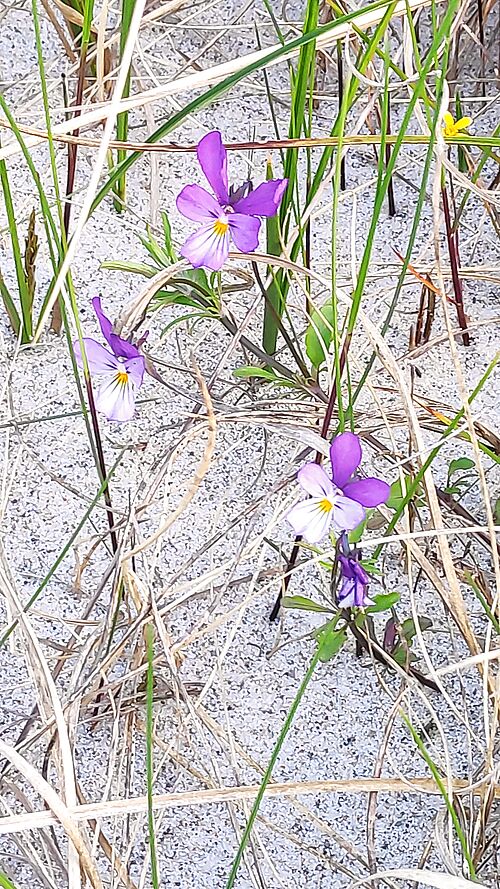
{"x": 264, "y": 200}
{"x": 309, "y": 520}
{"x": 99, "y": 360}
{"x": 368, "y": 491}
{"x": 206, "y": 248}
{"x": 212, "y": 158}
{"x": 347, "y": 513}
{"x": 345, "y": 454}
{"x": 244, "y": 231}
{"x": 116, "y": 400}
{"x": 135, "y": 369}
{"x": 197, "y": 203}
{"x": 315, "y": 481}
{"x": 121, "y": 348}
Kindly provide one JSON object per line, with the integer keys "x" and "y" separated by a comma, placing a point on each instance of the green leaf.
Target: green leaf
{"x": 403, "y": 657}
{"x": 248, "y": 371}
{"x": 356, "y": 535}
{"x": 136, "y": 268}
{"x": 167, "y": 232}
{"x": 319, "y": 335}
{"x": 397, "y": 496}
{"x": 302, "y": 603}
{"x": 459, "y": 465}
{"x": 408, "y": 630}
{"x": 383, "y": 602}
{"x": 330, "y": 642}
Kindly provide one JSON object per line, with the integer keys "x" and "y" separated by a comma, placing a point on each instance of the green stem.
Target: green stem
{"x": 269, "y": 771}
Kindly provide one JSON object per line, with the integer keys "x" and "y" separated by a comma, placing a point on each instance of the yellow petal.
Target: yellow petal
{"x": 448, "y": 119}
{"x": 463, "y": 123}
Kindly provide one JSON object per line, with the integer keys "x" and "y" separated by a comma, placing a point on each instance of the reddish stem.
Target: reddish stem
{"x": 452, "y": 238}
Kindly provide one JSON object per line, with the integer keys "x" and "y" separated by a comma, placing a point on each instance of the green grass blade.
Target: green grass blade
{"x": 122, "y": 119}
{"x": 26, "y": 326}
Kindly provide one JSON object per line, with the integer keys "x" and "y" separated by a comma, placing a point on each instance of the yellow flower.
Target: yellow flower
{"x": 453, "y": 127}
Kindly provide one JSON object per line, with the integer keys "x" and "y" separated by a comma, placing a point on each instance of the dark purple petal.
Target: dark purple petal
{"x": 345, "y": 455}
{"x": 264, "y": 200}
{"x": 212, "y": 158}
{"x": 206, "y": 248}
{"x": 368, "y": 491}
{"x": 244, "y": 231}
{"x": 121, "y": 348}
{"x": 197, "y": 203}
{"x": 99, "y": 360}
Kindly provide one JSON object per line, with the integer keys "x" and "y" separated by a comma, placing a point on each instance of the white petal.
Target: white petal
{"x": 116, "y": 400}
{"x": 310, "y": 520}
{"x": 347, "y": 513}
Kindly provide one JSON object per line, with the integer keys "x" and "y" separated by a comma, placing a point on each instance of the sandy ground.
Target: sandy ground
{"x": 236, "y": 674}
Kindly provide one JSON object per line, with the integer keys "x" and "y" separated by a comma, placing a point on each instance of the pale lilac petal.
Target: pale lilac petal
{"x": 368, "y": 491}
{"x": 309, "y": 520}
{"x": 345, "y": 454}
{"x": 206, "y": 248}
{"x": 121, "y": 348}
{"x": 135, "y": 369}
{"x": 264, "y": 200}
{"x": 212, "y": 158}
{"x": 99, "y": 360}
{"x": 347, "y": 513}
{"x": 116, "y": 400}
{"x": 197, "y": 203}
{"x": 315, "y": 481}
{"x": 244, "y": 231}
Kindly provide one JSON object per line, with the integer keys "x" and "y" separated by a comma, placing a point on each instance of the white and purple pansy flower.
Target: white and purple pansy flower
{"x": 228, "y": 214}
{"x": 121, "y": 370}
{"x": 338, "y": 501}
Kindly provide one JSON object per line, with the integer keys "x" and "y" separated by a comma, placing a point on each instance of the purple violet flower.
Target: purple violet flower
{"x": 352, "y": 591}
{"x": 231, "y": 214}
{"x": 121, "y": 369}
{"x": 337, "y": 502}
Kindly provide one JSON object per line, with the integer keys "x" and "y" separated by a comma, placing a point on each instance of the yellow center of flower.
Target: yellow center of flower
{"x": 122, "y": 377}
{"x": 325, "y": 505}
{"x": 220, "y": 227}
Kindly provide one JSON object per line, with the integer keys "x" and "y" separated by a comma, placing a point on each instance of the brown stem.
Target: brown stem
{"x": 452, "y": 238}
{"x": 56, "y": 320}
{"x": 390, "y": 191}
{"x": 324, "y": 432}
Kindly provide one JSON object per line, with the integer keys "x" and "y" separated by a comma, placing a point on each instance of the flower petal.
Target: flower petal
{"x": 197, "y": 203}
{"x": 309, "y": 520}
{"x": 347, "y": 514}
{"x": 448, "y": 120}
{"x": 206, "y": 248}
{"x": 121, "y": 348}
{"x": 315, "y": 481}
{"x": 368, "y": 491}
{"x": 116, "y": 400}
{"x": 99, "y": 360}
{"x": 135, "y": 368}
{"x": 244, "y": 231}
{"x": 264, "y": 200}
{"x": 345, "y": 454}
{"x": 463, "y": 122}
{"x": 212, "y": 158}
